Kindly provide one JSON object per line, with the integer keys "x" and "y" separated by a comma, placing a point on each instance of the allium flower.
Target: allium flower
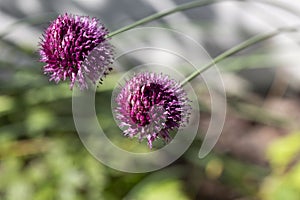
{"x": 150, "y": 105}
{"x": 68, "y": 42}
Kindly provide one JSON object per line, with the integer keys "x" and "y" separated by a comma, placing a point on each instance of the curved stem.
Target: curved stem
{"x": 254, "y": 40}
{"x": 186, "y": 6}
{"x": 191, "y": 5}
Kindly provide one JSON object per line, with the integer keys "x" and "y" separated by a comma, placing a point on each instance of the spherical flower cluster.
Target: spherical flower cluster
{"x": 66, "y": 49}
{"x": 150, "y": 105}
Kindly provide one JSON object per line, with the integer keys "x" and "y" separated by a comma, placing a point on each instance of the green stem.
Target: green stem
{"x": 186, "y": 6}
{"x": 254, "y": 40}
{"x": 191, "y": 5}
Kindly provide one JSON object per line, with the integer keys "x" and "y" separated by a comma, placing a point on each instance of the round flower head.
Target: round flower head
{"x": 66, "y": 49}
{"x": 150, "y": 105}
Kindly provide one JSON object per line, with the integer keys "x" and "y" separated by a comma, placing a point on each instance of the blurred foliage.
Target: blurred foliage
{"x": 284, "y": 180}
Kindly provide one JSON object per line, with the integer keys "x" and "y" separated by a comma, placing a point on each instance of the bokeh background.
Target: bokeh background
{"x": 256, "y": 157}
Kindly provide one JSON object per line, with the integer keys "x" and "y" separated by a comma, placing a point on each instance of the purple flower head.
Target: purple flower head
{"x": 150, "y": 105}
{"x": 66, "y": 49}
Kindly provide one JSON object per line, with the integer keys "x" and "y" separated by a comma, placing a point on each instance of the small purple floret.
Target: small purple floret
{"x": 68, "y": 42}
{"x": 150, "y": 105}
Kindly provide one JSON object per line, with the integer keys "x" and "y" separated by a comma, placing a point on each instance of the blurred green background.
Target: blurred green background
{"x": 257, "y": 156}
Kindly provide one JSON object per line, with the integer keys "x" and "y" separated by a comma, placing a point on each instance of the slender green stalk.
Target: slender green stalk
{"x": 191, "y": 5}
{"x": 186, "y": 6}
{"x": 254, "y": 40}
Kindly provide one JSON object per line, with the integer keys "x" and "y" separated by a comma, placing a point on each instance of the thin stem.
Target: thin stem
{"x": 186, "y": 6}
{"x": 254, "y": 40}
{"x": 191, "y": 5}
